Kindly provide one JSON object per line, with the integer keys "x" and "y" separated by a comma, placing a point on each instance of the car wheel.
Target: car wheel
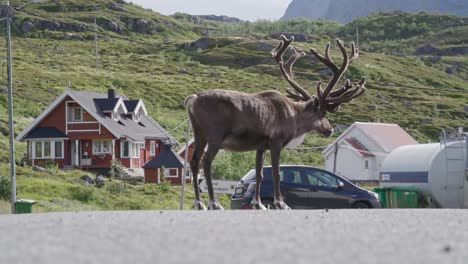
{"x": 268, "y": 204}
{"x": 361, "y": 205}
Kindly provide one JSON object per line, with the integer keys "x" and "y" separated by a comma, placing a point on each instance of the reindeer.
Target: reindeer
{"x": 268, "y": 120}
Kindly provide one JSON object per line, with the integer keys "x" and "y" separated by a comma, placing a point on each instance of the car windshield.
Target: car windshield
{"x": 250, "y": 176}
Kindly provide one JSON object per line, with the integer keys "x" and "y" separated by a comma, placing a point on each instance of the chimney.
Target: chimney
{"x": 111, "y": 94}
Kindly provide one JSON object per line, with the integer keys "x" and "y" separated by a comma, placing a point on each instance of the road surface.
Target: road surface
{"x": 160, "y": 237}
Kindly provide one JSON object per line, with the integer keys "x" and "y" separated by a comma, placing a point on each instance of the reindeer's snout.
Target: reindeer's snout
{"x": 329, "y": 133}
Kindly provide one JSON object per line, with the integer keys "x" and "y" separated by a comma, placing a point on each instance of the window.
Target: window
{"x": 171, "y": 173}
{"x": 30, "y": 150}
{"x": 291, "y": 176}
{"x": 366, "y": 164}
{"x": 101, "y": 146}
{"x": 152, "y": 148}
{"x": 58, "y": 149}
{"x": 130, "y": 150}
{"x": 46, "y": 150}
{"x": 136, "y": 150}
{"x": 118, "y": 113}
{"x": 77, "y": 114}
{"x": 125, "y": 149}
{"x": 38, "y": 150}
{"x": 321, "y": 178}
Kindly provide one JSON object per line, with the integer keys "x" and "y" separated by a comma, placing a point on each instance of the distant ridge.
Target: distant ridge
{"x": 345, "y": 11}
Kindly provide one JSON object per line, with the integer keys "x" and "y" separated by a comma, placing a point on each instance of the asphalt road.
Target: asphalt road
{"x": 336, "y": 236}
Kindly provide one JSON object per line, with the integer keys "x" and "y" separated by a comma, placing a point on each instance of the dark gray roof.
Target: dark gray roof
{"x": 126, "y": 127}
{"x": 106, "y": 104}
{"x": 131, "y": 104}
{"x": 46, "y": 132}
{"x": 167, "y": 158}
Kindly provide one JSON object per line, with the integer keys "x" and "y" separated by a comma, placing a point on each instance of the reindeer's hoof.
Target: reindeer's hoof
{"x": 198, "y": 205}
{"x": 281, "y": 205}
{"x": 214, "y": 206}
{"x": 256, "y": 205}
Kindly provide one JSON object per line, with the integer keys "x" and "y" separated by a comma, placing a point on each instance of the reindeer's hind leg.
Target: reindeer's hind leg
{"x": 200, "y": 144}
{"x": 209, "y": 157}
{"x": 257, "y": 202}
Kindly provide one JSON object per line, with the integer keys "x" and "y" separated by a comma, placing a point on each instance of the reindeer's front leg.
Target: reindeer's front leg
{"x": 275, "y": 150}
{"x": 257, "y": 202}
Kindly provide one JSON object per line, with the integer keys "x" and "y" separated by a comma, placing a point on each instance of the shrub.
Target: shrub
{"x": 82, "y": 193}
{"x": 116, "y": 188}
{"x": 5, "y": 188}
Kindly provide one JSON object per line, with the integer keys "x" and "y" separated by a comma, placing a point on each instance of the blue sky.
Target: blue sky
{"x": 243, "y": 9}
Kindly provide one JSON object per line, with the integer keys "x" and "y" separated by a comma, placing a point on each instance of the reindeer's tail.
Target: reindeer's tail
{"x": 189, "y": 100}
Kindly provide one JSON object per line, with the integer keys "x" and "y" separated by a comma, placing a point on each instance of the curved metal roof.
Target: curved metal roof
{"x": 411, "y": 158}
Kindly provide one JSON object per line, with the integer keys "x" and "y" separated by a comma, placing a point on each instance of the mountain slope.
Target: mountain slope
{"x": 345, "y": 11}
{"x": 163, "y": 68}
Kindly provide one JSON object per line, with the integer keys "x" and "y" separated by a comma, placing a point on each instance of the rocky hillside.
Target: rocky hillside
{"x": 345, "y": 11}
{"x": 416, "y": 65}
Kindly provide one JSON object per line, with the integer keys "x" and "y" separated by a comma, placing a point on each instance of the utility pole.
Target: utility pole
{"x": 184, "y": 177}
{"x": 10, "y": 111}
{"x": 357, "y": 37}
{"x": 96, "y": 40}
{"x": 335, "y": 157}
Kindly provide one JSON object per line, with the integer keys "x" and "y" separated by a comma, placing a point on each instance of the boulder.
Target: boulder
{"x": 41, "y": 169}
{"x": 27, "y": 27}
{"x": 116, "y": 7}
{"x": 141, "y": 26}
{"x": 215, "y": 75}
{"x": 451, "y": 70}
{"x": 466, "y": 109}
{"x": 428, "y": 49}
{"x": 203, "y": 43}
{"x": 100, "y": 181}
{"x": 87, "y": 179}
{"x": 77, "y": 27}
{"x": 114, "y": 27}
{"x": 3, "y": 90}
{"x": 50, "y": 25}
{"x": 183, "y": 71}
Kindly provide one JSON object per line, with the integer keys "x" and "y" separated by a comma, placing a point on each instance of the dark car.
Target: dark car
{"x": 304, "y": 187}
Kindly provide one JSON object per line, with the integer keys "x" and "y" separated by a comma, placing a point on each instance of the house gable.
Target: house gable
{"x": 379, "y": 137}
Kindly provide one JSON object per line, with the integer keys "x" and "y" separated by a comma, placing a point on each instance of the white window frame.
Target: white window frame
{"x": 167, "y": 174}
{"x": 73, "y": 114}
{"x": 42, "y": 148}
{"x": 152, "y": 148}
{"x": 136, "y": 149}
{"x": 62, "y": 149}
{"x": 122, "y": 143}
{"x": 99, "y": 145}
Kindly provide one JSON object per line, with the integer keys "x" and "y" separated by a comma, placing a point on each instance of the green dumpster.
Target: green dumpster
{"x": 24, "y": 206}
{"x": 382, "y": 192}
{"x": 403, "y": 197}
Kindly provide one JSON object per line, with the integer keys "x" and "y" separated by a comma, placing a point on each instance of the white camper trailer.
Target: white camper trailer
{"x": 440, "y": 170}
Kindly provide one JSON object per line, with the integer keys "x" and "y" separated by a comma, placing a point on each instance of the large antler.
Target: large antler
{"x": 299, "y": 93}
{"x": 332, "y": 100}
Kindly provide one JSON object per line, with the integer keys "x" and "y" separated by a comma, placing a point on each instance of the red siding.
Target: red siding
{"x": 151, "y": 176}
{"x": 56, "y": 118}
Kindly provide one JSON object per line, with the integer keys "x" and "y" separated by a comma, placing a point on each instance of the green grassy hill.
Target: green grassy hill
{"x": 53, "y": 43}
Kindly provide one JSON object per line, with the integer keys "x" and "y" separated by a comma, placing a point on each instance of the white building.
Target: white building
{"x": 362, "y": 149}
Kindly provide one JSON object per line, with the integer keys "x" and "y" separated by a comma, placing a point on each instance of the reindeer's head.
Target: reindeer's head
{"x": 326, "y": 100}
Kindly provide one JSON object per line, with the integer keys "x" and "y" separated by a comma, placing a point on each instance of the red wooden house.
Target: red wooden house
{"x": 87, "y": 130}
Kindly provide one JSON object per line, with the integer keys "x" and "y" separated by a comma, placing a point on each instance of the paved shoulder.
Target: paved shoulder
{"x": 336, "y": 236}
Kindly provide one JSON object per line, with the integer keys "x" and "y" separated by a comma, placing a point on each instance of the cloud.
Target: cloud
{"x": 243, "y": 9}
